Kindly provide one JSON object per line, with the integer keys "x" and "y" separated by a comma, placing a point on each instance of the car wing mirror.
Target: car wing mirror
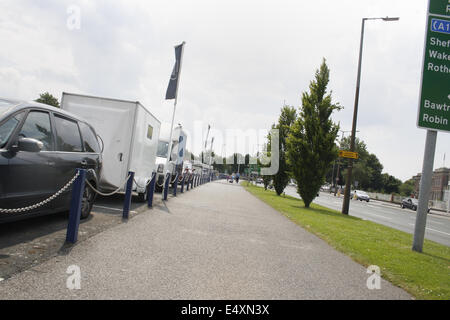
{"x": 29, "y": 144}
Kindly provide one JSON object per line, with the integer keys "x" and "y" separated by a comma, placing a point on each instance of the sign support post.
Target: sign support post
{"x": 434, "y": 102}
{"x": 425, "y": 187}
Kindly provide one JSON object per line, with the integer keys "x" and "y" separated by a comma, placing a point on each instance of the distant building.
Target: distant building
{"x": 439, "y": 184}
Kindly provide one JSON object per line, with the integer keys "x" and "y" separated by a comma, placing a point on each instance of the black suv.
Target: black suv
{"x": 411, "y": 203}
{"x": 40, "y": 149}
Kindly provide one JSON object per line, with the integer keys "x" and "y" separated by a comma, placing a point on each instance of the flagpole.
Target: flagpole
{"x": 174, "y": 109}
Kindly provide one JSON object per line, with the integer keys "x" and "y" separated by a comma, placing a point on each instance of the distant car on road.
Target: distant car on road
{"x": 411, "y": 203}
{"x": 361, "y": 196}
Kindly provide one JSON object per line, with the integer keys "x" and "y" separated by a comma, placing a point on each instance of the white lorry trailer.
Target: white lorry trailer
{"x": 129, "y": 133}
{"x": 176, "y": 163}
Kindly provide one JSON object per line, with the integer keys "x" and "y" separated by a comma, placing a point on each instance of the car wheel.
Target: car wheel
{"x": 87, "y": 201}
{"x": 403, "y": 207}
{"x": 414, "y": 208}
{"x": 367, "y": 200}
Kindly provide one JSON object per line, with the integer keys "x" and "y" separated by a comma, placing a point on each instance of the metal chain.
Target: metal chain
{"x": 160, "y": 185}
{"x": 40, "y": 204}
{"x": 108, "y": 194}
{"x": 176, "y": 176}
{"x": 148, "y": 182}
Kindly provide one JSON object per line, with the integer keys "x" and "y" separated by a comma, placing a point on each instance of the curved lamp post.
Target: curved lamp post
{"x": 348, "y": 180}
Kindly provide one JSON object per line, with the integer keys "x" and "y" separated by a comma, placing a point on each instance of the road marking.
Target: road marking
{"x": 412, "y": 224}
{"x": 439, "y": 231}
{"x": 377, "y": 215}
{"x": 436, "y": 222}
{"x": 115, "y": 209}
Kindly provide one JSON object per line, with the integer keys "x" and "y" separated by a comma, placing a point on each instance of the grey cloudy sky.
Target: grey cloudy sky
{"x": 242, "y": 60}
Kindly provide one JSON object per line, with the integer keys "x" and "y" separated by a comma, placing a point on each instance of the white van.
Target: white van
{"x": 176, "y": 163}
{"x": 129, "y": 133}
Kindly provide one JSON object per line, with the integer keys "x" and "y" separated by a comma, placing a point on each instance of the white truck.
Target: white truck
{"x": 129, "y": 134}
{"x": 177, "y": 162}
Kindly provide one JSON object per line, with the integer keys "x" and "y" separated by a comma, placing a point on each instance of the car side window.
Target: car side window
{"x": 37, "y": 126}
{"x": 89, "y": 139}
{"x": 67, "y": 135}
{"x": 7, "y": 128}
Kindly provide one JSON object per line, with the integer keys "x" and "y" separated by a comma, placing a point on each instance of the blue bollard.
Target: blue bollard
{"x": 188, "y": 182}
{"x": 192, "y": 181}
{"x": 166, "y": 185}
{"x": 151, "y": 190}
{"x": 175, "y": 186}
{"x": 75, "y": 207}
{"x": 128, "y": 194}
{"x": 182, "y": 183}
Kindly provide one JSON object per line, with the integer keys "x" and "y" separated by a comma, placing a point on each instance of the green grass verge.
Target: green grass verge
{"x": 424, "y": 275}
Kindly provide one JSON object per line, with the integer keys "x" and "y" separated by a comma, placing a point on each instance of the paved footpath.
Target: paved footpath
{"x": 214, "y": 242}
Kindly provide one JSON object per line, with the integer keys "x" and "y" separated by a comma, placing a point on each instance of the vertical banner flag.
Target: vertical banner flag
{"x": 172, "y": 89}
{"x": 181, "y": 148}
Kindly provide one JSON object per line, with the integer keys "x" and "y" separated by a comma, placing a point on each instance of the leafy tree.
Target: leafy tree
{"x": 311, "y": 143}
{"x": 360, "y": 147}
{"x": 49, "y": 99}
{"x": 390, "y": 183}
{"x": 375, "y": 169}
{"x": 367, "y": 168}
{"x": 267, "y": 179}
{"x": 286, "y": 120}
{"x": 407, "y": 188}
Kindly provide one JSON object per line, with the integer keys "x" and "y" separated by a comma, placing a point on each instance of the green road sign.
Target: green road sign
{"x": 434, "y": 103}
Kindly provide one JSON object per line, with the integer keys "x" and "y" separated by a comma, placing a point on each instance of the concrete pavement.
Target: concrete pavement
{"x": 214, "y": 242}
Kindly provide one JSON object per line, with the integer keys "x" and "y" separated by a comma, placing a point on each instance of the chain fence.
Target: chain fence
{"x": 148, "y": 182}
{"x": 108, "y": 194}
{"x": 40, "y": 204}
{"x": 71, "y": 181}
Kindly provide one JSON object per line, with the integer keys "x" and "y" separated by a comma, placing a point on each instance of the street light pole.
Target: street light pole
{"x": 346, "y": 204}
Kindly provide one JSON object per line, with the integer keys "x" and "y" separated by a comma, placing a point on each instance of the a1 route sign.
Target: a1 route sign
{"x": 434, "y": 103}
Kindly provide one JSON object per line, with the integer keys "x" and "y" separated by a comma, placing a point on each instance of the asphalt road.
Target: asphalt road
{"x": 216, "y": 241}
{"x": 391, "y": 215}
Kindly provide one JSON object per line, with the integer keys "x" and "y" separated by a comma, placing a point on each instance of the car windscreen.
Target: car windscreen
{"x": 7, "y": 128}
{"x": 163, "y": 147}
